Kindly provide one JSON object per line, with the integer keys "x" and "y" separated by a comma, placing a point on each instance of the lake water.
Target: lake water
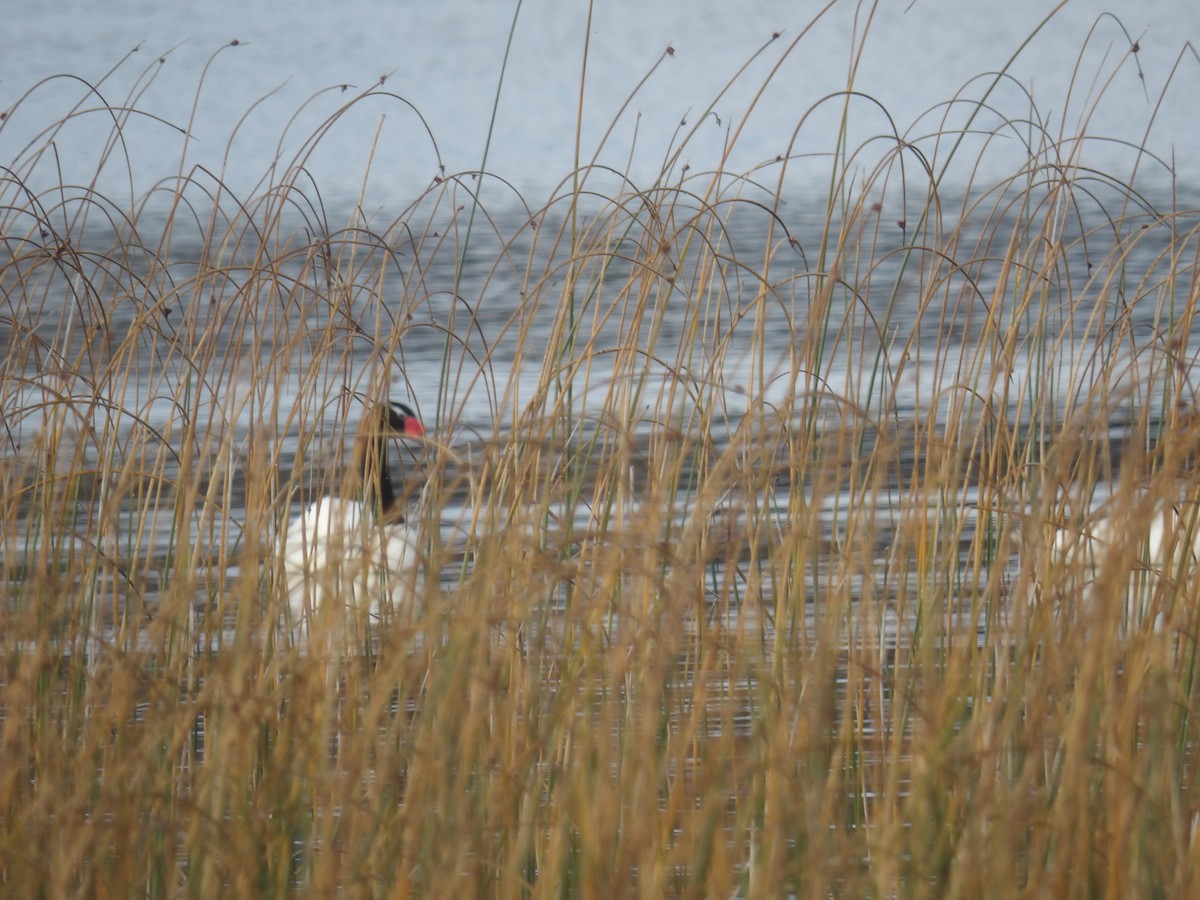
{"x": 446, "y": 59}
{"x": 249, "y": 107}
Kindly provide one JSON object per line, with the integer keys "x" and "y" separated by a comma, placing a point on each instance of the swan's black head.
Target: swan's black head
{"x": 402, "y": 420}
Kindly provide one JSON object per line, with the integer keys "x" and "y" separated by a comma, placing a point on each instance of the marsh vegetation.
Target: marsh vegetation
{"x": 740, "y": 507}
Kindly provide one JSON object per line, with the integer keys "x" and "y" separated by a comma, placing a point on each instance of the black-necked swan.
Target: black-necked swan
{"x": 356, "y": 548}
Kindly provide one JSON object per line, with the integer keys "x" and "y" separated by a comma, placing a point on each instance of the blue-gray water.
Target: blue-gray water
{"x": 446, "y": 59}
{"x": 258, "y": 103}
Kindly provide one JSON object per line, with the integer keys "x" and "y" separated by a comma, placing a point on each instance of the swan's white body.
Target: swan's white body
{"x": 333, "y": 551}
{"x": 356, "y": 556}
{"x": 1152, "y": 561}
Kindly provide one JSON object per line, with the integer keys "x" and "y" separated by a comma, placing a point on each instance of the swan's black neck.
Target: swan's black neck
{"x": 378, "y": 489}
{"x": 371, "y": 457}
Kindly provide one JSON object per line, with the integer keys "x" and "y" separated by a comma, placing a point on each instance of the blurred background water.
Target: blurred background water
{"x": 654, "y": 72}
{"x": 247, "y": 108}
{"x": 446, "y": 58}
